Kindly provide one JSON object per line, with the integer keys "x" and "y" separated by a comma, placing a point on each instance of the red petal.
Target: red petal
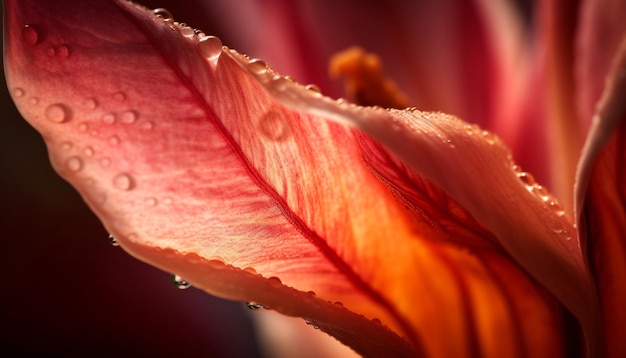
{"x": 187, "y": 161}
{"x": 601, "y": 203}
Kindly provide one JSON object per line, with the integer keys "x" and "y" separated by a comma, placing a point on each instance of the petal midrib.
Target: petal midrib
{"x": 357, "y": 281}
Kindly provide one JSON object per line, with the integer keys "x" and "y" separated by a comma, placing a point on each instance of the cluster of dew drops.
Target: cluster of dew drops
{"x": 182, "y": 284}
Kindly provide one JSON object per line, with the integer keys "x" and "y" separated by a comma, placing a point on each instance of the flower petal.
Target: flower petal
{"x": 478, "y": 174}
{"x": 176, "y": 146}
{"x": 601, "y": 203}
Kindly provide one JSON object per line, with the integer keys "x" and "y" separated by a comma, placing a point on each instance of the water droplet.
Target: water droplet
{"x": 151, "y": 202}
{"x": 281, "y": 83}
{"x": 18, "y": 92}
{"x": 257, "y": 66}
{"x": 314, "y": 88}
{"x": 250, "y": 270}
{"x": 128, "y": 117}
{"x": 123, "y": 182}
{"x": 274, "y": 281}
{"x": 119, "y": 96}
{"x": 253, "y": 305}
{"x": 33, "y": 101}
{"x": 527, "y": 179}
{"x": 210, "y": 48}
{"x": 163, "y": 13}
{"x": 541, "y": 192}
{"x": 309, "y": 322}
{"x": 180, "y": 283}
{"x": 108, "y": 118}
{"x": 167, "y": 201}
{"x": 187, "y": 31}
{"x": 74, "y": 164}
{"x": 556, "y": 208}
{"x": 94, "y": 133}
{"x": 338, "y": 304}
{"x": 51, "y": 51}
{"x": 83, "y": 127}
{"x": 89, "y": 151}
{"x": 272, "y": 125}
{"x": 114, "y": 140}
{"x": 113, "y": 241}
{"x": 66, "y": 146}
{"x": 147, "y": 125}
{"x": 62, "y": 51}
{"x": 489, "y": 137}
{"x": 30, "y": 35}
{"x": 105, "y": 162}
{"x": 90, "y": 103}
{"x": 376, "y": 321}
{"x": 57, "y": 113}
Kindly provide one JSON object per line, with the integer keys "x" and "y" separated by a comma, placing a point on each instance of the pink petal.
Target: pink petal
{"x": 207, "y": 177}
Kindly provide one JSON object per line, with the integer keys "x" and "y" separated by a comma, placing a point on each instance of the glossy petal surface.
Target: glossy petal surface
{"x": 184, "y": 152}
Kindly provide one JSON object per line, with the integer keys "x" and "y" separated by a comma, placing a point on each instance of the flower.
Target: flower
{"x": 413, "y": 231}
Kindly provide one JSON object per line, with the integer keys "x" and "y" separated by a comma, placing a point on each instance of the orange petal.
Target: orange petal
{"x": 601, "y": 203}
{"x": 475, "y": 169}
{"x": 175, "y": 144}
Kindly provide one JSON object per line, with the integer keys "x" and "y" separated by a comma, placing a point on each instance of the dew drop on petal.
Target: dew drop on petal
{"x": 179, "y": 282}
{"x": 210, "y": 47}
{"x": 281, "y": 83}
{"x": 105, "y": 162}
{"x": 30, "y": 35}
{"x": 83, "y": 127}
{"x": 314, "y": 88}
{"x": 272, "y": 125}
{"x": 33, "y": 101}
{"x": 250, "y": 270}
{"x": 113, "y": 241}
{"x": 66, "y": 146}
{"x": 114, "y": 140}
{"x": 151, "y": 202}
{"x": 89, "y": 151}
{"x": 62, "y": 51}
{"x": 489, "y": 137}
{"x": 128, "y": 117}
{"x": 108, "y": 118}
{"x": 119, "y": 96}
{"x": 253, "y": 305}
{"x": 90, "y": 103}
{"x": 123, "y": 181}
{"x": 257, "y": 66}
{"x": 274, "y": 281}
{"x": 187, "y": 31}
{"x": 18, "y": 92}
{"x": 163, "y": 13}
{"x": 74, "y": 164}
{"x": 147, "y": 125}
{"x": 526, "y": 178}
{"x": 57, "y": 113}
